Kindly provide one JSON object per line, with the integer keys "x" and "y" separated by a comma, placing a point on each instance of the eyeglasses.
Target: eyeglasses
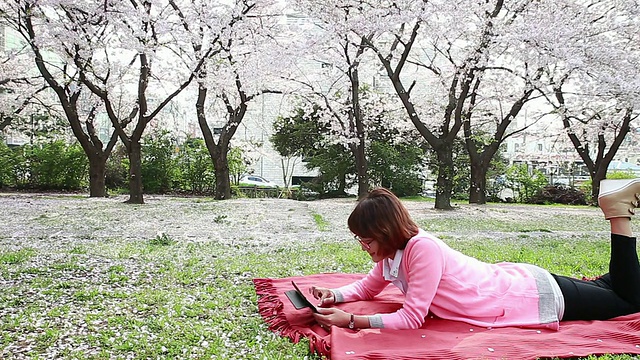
{"x": 365, "y": 242}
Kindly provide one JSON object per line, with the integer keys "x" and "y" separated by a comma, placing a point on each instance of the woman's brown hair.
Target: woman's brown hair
{"x": 381, "y": 216}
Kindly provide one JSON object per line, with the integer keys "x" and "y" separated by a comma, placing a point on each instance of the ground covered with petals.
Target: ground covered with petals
{"x": 97, "y": 278}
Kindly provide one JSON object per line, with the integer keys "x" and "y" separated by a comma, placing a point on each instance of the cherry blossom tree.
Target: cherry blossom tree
{"x": 470, "y": 65}
{"x": 597, "y": 125}
{"x": 425, "y": 44}
{"x": 33, "y": 23}
{"x": 129, "y": 55}
{"x": 604, "y": 125}
{"x": 340, "y": 108}
{"x": 234, "y": 74}
{"x": 502, "y": 86}
{"x": 446, "y": 60}
{"x": 593, "y": 76}
{"x": 337, "y": 88}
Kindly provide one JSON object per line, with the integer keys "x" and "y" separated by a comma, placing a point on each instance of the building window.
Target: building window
{"x": 540, "y": 147}
{"x": 217, "y": 130}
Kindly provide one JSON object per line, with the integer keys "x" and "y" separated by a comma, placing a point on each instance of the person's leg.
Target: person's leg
{"x": 591, "y": 300}
{"x": 624, "y": 268}
{"x": 618, "y": 200}
{"x": 621, "y": 226}
{"x": 616, "y": 293}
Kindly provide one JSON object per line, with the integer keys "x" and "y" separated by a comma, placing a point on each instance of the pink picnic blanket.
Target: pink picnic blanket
{"x": 437, "y": 339}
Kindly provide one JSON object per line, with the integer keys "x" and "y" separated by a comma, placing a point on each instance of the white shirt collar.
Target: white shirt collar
{"x": 392, "y": 266}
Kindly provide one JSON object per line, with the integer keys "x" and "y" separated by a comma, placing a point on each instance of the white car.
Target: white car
{"x": 255, "y": 180}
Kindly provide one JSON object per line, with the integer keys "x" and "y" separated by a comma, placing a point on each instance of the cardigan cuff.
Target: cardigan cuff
{"x": 337, "y": 296}
{"x": 375, "y": 321}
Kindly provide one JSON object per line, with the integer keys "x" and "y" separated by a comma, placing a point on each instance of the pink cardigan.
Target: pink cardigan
{"x": 454, "y": 286}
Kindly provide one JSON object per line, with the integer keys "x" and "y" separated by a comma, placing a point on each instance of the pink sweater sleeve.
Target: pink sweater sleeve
{"x": 424, "y": 265}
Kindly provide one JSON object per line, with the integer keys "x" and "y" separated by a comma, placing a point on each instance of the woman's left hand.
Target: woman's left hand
{"x": 332, "y": 316}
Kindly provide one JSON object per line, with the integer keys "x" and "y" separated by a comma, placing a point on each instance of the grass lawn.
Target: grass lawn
{"x": 98, "y": 279}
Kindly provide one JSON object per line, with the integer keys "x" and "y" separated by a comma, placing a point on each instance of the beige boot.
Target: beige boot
{"x": 619, "y": 198}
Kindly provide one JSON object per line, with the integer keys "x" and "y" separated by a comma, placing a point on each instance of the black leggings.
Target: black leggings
{"x": 614, "y": 294}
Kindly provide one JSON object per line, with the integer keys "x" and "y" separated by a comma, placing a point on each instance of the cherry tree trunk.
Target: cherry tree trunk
{"x": 223, "y": 184}
{"x": 361, "y": 165}
{"x": 596, "y": 177}
{"x": 444, "y": 182}
{"x": 97, "y": 173}
{"x": 135, "y": 173}
{"x": 342, "y": 184}
{"x": 478, "y": 186}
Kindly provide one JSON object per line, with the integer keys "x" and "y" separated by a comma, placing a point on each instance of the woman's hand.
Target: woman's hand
{"x": 332, "y": 316}
{"x": 325, "y": 295}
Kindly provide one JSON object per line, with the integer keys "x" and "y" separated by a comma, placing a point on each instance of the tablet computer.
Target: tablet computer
{"x": 299, "y": 299}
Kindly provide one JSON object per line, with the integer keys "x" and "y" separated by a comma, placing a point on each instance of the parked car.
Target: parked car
{"x": 429, "y": 193}
{"x": 255, "y": 180}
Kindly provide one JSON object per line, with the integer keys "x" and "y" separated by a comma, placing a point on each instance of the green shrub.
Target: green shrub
{"x": 117, "y": 169}
{"x": 396, "y": 167}
{"x": 76, "y": 164}
{"x": 303, "y": 193}
{"x": 159, "y": 170}
{"x": 407, "y": 185}
{"x": 559, "y": 194}
{"x": 195, "y": 168}
{"x": 21, "y": 167}
{"x": 525, "y": 184}
{"x": 618, "y": 174}
{"x": 57, "y": 166}
{"x": 238, "y": 163}
{"x": 9, "y": 160}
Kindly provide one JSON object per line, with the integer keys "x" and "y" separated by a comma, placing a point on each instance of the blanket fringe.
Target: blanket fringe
{"x": 270, "y": 308}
